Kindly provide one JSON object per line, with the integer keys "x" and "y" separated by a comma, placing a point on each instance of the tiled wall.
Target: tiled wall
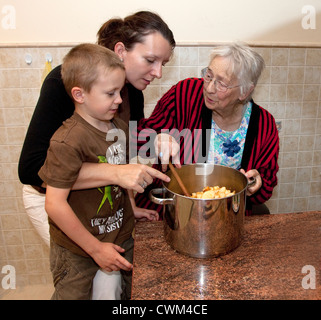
{"x": 290, "y": 89}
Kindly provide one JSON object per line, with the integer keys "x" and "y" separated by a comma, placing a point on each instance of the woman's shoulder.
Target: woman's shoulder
{"x": 261, "y": 110}
{"x": 54, "y": 74}
{"x": 264, "y": 117}
{"x": 189, "y": 86}
{"x": 191, "y": 81}
{"x": 53, "y": 83}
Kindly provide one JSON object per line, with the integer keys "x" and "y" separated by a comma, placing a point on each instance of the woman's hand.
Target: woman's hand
{"x": 166, "y": 147}
{"x": 253, "y": 173}
{"x": 137, "y": 177}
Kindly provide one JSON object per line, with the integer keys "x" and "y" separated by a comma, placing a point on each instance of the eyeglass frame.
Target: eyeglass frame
{"x": 204, "y": 71}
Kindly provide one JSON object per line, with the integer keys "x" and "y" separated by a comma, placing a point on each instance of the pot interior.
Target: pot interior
{"x": 197, "y": 176}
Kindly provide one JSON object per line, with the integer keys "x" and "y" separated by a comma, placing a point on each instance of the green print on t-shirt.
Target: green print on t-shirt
{"x": 107, "y": 189}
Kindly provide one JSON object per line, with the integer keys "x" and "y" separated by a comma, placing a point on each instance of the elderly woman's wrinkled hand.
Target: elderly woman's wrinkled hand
{"x": 258, "y": 181}
{"x": 166, "y": 147}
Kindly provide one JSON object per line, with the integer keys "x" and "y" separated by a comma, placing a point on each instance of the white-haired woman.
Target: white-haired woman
{"x": 234, "y": 131}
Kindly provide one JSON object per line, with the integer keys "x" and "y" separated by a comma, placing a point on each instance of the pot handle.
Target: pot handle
{"x": 251, "y": 182}
{"x": 156, "y": 200}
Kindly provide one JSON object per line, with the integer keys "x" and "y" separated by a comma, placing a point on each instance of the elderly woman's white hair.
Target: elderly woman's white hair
{"x": 245, "y": 64}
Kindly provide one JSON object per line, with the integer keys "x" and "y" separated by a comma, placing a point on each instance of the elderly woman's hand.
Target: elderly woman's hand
{"x": 166, "y": 147}
{"x": 253, "y": 173}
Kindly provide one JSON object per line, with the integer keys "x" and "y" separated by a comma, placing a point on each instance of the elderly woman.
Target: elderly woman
{"x": 232, "y": 130}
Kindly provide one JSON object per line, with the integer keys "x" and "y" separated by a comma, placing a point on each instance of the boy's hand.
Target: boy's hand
{"x": 143, "y": 214}
{"x": 108, "y": 257}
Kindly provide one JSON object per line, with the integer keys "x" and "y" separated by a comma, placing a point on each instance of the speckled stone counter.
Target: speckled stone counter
{"x": 267, "y": 265}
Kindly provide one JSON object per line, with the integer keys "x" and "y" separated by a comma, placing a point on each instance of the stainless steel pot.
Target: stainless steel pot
{"x": 199, "y": 227}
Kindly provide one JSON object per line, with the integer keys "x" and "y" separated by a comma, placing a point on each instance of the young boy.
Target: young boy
{"x": 89, "y": 229}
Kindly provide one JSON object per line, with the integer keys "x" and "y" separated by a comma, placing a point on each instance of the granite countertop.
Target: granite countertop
{"x": 269, "y": 263}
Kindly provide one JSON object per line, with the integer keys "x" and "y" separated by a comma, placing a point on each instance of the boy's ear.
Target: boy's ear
{"x": 120, "y": 50}
{"x": 77, "y": 94}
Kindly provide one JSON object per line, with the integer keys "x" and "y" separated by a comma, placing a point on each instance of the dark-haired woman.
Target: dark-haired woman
{"x": 145, "y": 44}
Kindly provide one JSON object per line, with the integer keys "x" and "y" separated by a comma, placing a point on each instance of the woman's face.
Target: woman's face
{"x": 144, "y": 62}
{"x": 214, "y": 99}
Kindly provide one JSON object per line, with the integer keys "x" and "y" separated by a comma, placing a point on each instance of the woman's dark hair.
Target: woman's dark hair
{"x": 133, "y": 29}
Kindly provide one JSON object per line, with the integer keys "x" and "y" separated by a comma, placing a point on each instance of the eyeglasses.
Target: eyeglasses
{"x": 219, "y": 85}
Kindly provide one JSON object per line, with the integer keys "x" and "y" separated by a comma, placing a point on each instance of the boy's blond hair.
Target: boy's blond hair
{"x": 81, "y": 65}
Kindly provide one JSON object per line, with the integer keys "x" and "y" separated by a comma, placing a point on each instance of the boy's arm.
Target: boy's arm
{"x": 105, "y": 254}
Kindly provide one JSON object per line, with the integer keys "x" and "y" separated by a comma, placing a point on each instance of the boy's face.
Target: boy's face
{"x": 102, "y": 102}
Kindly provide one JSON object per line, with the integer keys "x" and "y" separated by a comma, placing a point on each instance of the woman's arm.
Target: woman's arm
{"x": 264, "y": 154}
{"x": 53, "y": 107}
{"x": 128, "y": 176}
{"x": 178, "y": 113}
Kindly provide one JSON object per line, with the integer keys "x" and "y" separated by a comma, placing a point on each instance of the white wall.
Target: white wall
{"x": 271, "y": 22}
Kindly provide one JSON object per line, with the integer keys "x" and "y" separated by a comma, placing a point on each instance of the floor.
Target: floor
{"x": 35, "y": 292}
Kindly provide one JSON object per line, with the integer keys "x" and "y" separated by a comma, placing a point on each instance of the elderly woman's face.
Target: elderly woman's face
{"x": 219, "y": 69}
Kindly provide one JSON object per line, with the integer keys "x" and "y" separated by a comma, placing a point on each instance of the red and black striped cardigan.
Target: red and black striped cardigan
{"x": 182, "y": 107}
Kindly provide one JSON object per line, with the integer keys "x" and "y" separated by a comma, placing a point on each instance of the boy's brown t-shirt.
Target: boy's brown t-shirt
{"x": 106, "y": 212}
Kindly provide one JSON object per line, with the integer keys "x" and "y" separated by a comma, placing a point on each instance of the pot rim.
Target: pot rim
{"x": 207, "y": 199}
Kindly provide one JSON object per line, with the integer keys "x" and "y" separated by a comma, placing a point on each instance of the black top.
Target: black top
{"x": 53, "y": 107}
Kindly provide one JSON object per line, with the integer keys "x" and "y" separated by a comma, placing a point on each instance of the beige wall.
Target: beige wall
{"x": 272, "y": 22}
